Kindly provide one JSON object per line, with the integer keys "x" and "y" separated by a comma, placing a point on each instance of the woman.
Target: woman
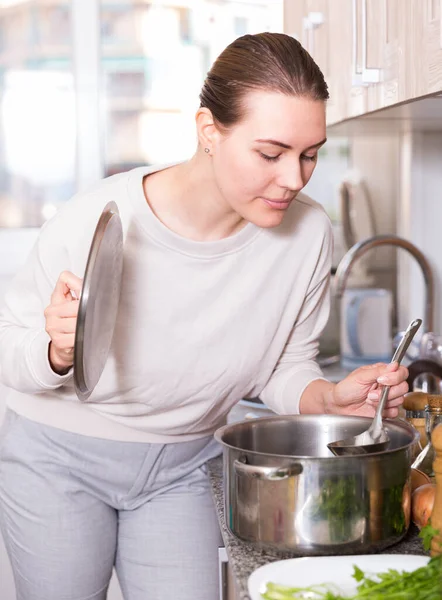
{"x": 224, "y": 295}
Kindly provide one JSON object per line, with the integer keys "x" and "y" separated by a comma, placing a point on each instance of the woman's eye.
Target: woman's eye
{"x": 269, "y": 158}
{"x": 309, "y": 158}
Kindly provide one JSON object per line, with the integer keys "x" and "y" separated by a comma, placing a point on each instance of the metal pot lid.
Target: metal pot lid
{"x": 99, "y": 300}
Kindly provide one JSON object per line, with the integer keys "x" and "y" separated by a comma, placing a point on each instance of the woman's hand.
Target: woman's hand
{"x": 360, "y": 392}
{"x": 61, "y": 321}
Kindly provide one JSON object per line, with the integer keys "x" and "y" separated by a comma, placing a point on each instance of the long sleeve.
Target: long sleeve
{"x": 24, "y": 343}
{"x": 199, "y": 325}
{"x": 63, "y": 245}
{"x": 297, "y": 366}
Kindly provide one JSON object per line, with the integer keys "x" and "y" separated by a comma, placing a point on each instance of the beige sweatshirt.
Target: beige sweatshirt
{"x": 200, "y": 324}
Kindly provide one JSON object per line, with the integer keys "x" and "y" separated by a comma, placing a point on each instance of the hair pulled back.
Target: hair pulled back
{"x": 273, "y": 62}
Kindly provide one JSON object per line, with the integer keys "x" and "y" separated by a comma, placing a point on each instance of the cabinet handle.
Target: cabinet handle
{"x": 365, "y": 75}
{"x": 368, "y": 75}
{"x": 356, "y": 76}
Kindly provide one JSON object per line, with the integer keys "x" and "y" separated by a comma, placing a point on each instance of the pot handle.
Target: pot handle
{"x": 272, "y": 473}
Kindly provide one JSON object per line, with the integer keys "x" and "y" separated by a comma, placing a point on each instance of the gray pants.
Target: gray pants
{"x": 72, "y": 507}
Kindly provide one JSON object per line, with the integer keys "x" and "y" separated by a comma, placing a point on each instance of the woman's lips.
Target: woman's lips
{"x": 278, "y": 204}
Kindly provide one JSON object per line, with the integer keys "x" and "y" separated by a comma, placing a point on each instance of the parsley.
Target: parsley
{"x": 426, "y": 534}
{"x": 342, "y": 503}
{"x": 358, "y": 573}
{"x": 424, "y": 583}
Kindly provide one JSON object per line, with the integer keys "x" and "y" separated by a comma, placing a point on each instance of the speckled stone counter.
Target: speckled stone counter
{"x": 244, "y": 558}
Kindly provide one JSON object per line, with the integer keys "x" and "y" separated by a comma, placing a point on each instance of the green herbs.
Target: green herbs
{"x": 424, "y": 583}
{"x": 341, "y": 504}
{"x": 392, "y": 509}
{"x": 426, "y": 534}
{"x": 314, "y": 592}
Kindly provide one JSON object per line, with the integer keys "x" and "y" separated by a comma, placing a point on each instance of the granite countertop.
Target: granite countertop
{"x": 244, "y": 558}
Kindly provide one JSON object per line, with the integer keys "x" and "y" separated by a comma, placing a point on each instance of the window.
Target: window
{"x": 89, "y": 88}
{"x": 168, "y": 46}
{"x": 37, "y": 112}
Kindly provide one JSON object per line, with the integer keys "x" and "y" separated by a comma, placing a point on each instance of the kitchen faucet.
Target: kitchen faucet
{"x": 362, "y": 247}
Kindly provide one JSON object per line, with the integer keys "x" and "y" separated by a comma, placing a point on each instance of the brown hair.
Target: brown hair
{"x": 265, "y": 61}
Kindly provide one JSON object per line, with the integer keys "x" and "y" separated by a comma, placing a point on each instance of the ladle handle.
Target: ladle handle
{"x": 397, "y": 357}
{"x": 406, "y": 340}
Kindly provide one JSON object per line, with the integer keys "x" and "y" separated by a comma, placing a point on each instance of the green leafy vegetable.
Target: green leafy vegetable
{"x": 339, "y": 505}
{"x": 426, "y": 534}
{"x": 358, "y": 573}
{"x": 424, "y": 583}
{"x": 343, "y": 502}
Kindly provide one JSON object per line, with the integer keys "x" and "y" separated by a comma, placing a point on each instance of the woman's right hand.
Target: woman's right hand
{"x": 61, "y": 321}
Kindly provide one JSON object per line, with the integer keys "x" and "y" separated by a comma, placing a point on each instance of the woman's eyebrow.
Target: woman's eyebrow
{"x": 275, "y": 143}
{"x": 287, "y": 146}
{"x": 317, "y": 145}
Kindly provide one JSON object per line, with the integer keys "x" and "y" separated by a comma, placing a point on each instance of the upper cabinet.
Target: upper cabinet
{"x": 373, "y": 53}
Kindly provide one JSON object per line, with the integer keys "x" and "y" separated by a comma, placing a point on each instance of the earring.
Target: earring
{"x": 207, "y": 150}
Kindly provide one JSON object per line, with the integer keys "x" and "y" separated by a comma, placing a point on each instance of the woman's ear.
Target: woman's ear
{"x": 207, "y": 131}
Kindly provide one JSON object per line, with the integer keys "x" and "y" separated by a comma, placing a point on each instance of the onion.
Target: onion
{"x": 422, "y": 502}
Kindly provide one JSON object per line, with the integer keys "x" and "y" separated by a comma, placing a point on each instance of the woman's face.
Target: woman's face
{"x": 261, "y": 163}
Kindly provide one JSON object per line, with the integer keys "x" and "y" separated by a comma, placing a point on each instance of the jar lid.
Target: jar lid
{"x": 415, "y": 401}
{"x": 434, "y": 402}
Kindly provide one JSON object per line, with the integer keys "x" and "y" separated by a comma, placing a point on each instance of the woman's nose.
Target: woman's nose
{"x": 291, "y": 178}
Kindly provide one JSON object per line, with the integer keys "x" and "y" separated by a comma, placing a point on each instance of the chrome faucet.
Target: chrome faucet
{"x": 361, "y": 248}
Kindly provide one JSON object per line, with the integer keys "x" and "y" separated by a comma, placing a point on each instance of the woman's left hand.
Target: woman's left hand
{"x": 359, "y": 393}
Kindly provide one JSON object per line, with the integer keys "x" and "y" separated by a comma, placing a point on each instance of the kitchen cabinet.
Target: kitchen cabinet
{"x": 422, "y": 48}
{"x": 404, "y": 45}
{"x": 325, "y": 29}
{"x": 373, "y": 53}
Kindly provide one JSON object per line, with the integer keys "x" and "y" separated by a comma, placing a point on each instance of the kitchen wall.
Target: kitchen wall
{"x": 398, "y": 151}
{"x": 374, "y": 160}
{"x": 377, "y": 159}
{"x": 420, "y": 217}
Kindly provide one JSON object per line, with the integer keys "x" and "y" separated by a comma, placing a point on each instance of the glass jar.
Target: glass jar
{"x": 433, "y": 416}
{"x": 414, "y": 408}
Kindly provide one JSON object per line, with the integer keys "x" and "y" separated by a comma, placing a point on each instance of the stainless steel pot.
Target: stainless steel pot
{"x": 285, "y": 490}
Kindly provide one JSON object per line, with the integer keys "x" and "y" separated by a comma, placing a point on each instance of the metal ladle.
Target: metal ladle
{"x": 375, "y": 438}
